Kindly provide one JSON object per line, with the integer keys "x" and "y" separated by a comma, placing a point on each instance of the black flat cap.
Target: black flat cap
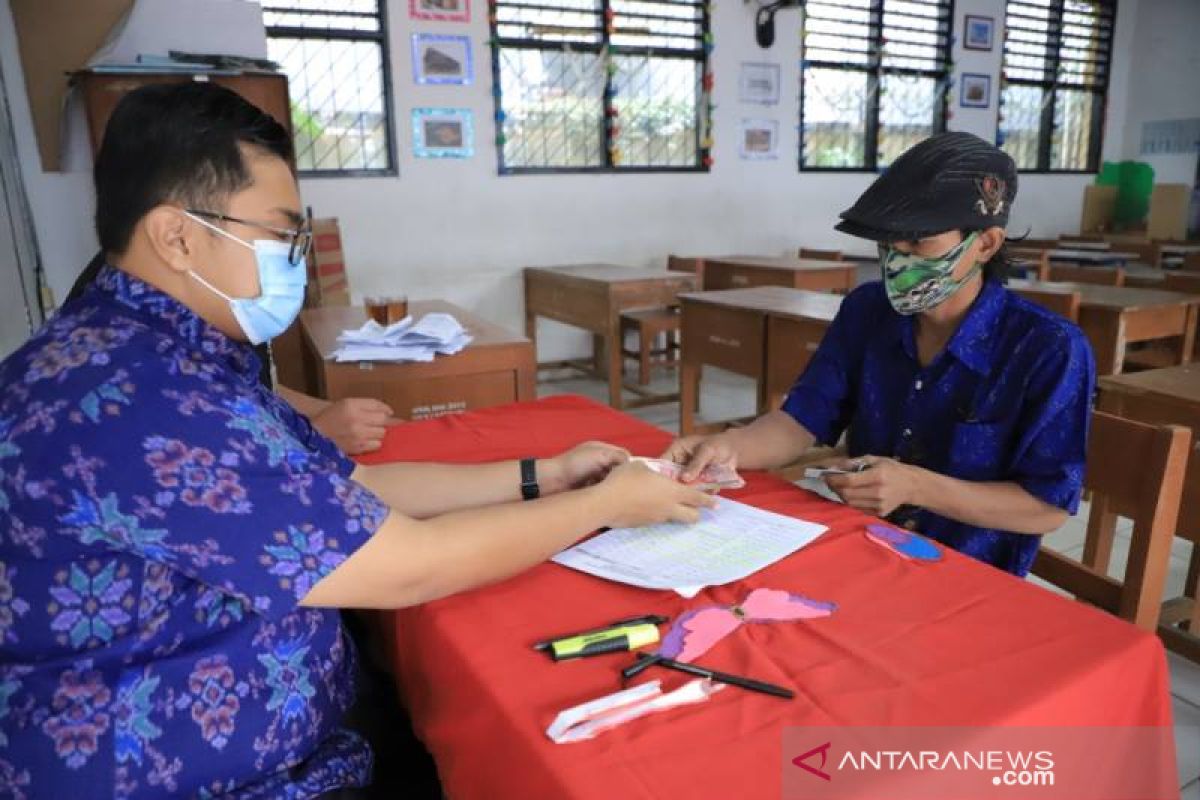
{"x": 946, "y": 182}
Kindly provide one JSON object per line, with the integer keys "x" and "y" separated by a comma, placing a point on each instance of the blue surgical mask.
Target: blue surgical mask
{"x": 281, "y": 288}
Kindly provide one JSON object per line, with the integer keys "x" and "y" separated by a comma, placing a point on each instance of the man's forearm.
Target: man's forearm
{"x": 306, "y": 404}
{"x": 1002, "y": 505}
{"x": 773, "y": 440}
{"x": 421, "y": 490}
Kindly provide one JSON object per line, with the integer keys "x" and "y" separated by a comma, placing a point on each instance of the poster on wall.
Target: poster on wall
{"x": 976, "y": 90}
{"x": 441, "y": 59}
{"x": 759, "y": 83}
{"x": 440, "y": 10}
{"x": 980, "y": 32}
{"x": 442, "y": 133}
{"x": 759, "y": 139}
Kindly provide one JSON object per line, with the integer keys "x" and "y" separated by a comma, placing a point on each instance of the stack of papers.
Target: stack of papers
{"x": 729, "y": 543}
{"x": 433, "y": 334}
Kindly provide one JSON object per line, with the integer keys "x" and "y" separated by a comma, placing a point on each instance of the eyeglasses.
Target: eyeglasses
{"x": 299, "y": 239}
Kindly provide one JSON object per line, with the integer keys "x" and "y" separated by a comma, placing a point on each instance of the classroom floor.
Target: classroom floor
{"x": 724, "y": 395}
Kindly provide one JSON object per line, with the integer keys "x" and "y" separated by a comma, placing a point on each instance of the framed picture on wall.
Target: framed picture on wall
{"x": 978, "y": 32}
{"x": 441, "y": 10}
{"x": 759, "y": 139}
{"x": 442, "y": 133}
{"x": 759, "y": 83}
{"x": 976, "y": 90}
{"x": 439, "y": 59}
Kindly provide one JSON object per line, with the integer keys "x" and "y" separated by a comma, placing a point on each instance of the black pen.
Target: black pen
{"x": 645, "y": 619}
{"x": 712, "y": 674}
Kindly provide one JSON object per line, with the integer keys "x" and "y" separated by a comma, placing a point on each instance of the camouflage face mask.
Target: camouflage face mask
{"x": 916, "y": 283}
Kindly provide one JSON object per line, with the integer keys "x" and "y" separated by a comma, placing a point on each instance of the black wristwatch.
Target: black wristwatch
{"x": 529, "y": 484}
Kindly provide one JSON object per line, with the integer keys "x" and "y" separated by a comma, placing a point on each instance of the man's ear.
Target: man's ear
{"x": 990, "y": 242}
{"x": 169, "y": 232}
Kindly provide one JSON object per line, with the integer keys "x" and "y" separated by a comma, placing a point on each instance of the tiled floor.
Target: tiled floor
{"x": 727, "y": 396}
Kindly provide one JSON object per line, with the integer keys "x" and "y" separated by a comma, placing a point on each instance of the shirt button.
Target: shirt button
{"x": 906, "y": 433}
{"x": 919, "y": 384}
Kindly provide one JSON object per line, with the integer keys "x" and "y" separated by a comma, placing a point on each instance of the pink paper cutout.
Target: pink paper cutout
{"x": 695, "y": 632}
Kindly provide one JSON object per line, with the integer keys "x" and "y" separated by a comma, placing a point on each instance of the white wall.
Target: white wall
{"x": 1164, "y": 37}
{"x": 455, "y": 229}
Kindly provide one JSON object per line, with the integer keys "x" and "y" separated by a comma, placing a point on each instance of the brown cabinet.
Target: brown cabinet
{"x": 101, "y": 91}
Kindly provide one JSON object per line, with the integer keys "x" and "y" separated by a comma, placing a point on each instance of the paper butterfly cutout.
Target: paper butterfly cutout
{"x": 904, "y": 543}
{"x": 694, "y": 633}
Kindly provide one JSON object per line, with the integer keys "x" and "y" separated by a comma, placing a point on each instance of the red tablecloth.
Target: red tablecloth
{"x": 951, "y": 643}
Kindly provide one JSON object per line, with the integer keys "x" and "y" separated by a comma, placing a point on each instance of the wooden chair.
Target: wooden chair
{"x": 1064, "y": 303}
{"x": 1179, "y": 621}
{"x": 821, "y": 255}
{"x": 650, "y": 324}
{"x": 1100, "y": 276}
{"x": 1191, "y": 261}
{"x": 1137, "y": 471}
{"x": 1183, "y": 281}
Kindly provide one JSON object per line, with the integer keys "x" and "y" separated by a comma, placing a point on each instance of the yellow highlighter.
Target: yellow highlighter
{"x": 617, "y": 637}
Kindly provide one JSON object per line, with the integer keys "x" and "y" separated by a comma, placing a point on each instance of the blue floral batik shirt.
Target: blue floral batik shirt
{"x": 1008, "y": 399}
{"x": 161, "y": 515}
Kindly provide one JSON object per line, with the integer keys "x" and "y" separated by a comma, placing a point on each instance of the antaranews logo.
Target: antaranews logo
{"x": 1001, "y": 767}
{"x": 801, "y": 761}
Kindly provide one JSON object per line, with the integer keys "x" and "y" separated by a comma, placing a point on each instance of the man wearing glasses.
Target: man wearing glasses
{"x": 176, "y": 541}
{"x": 355, "y": 424}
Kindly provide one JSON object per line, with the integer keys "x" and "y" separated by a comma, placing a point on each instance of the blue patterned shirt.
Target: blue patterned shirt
{"x": 161, "y": 515}
{"x": 1008, "y": 399}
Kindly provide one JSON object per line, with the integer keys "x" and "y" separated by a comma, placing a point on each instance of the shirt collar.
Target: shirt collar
{"x": 972, "y": 344}
{"x": 179, "y": 321}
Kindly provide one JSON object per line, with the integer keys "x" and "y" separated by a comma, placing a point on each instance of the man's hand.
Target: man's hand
{"x": 580, "y": 466}
{"x": 635, "y": 496}
{"x": 355, "y": 424}
{"x": 698, "y": 452}
{"x": 879, "y": 489}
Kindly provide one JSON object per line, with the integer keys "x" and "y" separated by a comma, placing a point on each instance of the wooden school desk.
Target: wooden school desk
{"x": 1097, "y": 258}
{"x": 951, "y": 643}
{"x": 1113, "y": 317}
{"x": 1159, "y": 397}
{"x": 496, "y": 368}
{"x": 731, "y": 330}
{"x": 592, "y": 297}
{"x": 740, "y": 272}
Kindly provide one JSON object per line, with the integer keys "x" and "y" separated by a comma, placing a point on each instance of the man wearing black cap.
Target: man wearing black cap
{"x": 966, "y": 407}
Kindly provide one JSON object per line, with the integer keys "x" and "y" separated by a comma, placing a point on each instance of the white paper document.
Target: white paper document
{"x": 432, "y": 335}
{"x": 727, "y": 544}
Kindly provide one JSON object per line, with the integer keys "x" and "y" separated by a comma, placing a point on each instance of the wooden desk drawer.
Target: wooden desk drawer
{"x": 414, "y": 398}
{"x": 790, "y": 346}
{"x": 728, "y": 338}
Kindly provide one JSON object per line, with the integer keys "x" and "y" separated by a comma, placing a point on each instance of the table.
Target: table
{"x": 1092, "y": 257}
{"x": 729, "y": 329}
{"x": 740, "y": 272}
{"x": 1085, "y": 245}
{"x": 1139, "y": 276}
{"x": 1113, "y": 317}
{"x": 1158, "y": 397}
{"x": 953, "y": 643}
{"x": 592, "y": 297}
{"x": 497, "y": 367}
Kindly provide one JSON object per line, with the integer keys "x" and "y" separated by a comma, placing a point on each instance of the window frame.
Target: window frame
{"x": 1046, "y": 123}
{"x": 381, "y": 38}
{"x": 703, "y": 112}
{"x": 877, "y": 71}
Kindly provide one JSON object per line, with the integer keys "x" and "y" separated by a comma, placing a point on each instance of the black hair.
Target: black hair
{"x": 176, "y": 142}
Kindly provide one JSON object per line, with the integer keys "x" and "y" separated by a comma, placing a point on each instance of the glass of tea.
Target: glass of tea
{"x": 388, "y": 309}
